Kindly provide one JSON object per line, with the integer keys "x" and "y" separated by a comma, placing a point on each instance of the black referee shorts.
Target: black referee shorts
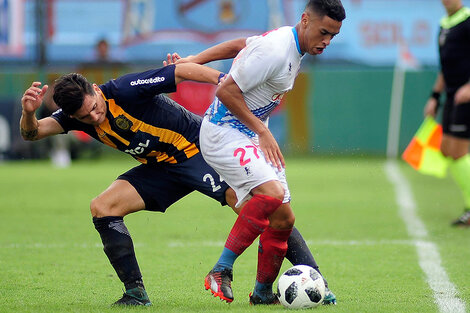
{"x": 456, "y": 119}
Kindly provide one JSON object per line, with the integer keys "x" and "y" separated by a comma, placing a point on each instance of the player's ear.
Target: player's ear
{"x": 304, "y": 19}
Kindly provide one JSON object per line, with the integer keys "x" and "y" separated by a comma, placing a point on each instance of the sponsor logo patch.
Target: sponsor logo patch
{"x": 148, "y": 81}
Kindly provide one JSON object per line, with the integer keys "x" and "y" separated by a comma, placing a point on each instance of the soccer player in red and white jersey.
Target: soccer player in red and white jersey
{"x": 236, "y": 141}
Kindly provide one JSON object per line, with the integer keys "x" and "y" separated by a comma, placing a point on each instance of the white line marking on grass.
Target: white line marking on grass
{"x": 445, "y": 292}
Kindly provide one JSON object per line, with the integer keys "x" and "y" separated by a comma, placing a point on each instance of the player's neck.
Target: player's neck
{"x": 452, "y": 11}
{"x": 299, "y": 38}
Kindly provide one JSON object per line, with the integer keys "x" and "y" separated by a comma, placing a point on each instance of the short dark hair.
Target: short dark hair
{"x": 70, "y": 91}
{"x": 331, "y": 8}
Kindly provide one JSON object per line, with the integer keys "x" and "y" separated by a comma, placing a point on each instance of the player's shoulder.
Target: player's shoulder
{"x": 281, "y": 34}
{"x": 276, "y": 41}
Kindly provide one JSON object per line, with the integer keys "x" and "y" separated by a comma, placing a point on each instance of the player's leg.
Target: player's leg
{"x": 455, "y": 145}
{"x": 250, "y": 223}
{"x": 457, "y": 149}
{"x": 298, "y": 252}
{"x": 142, "y": 187}
{"x": 252, "y": 220}
{"x": 108, "y": 210}
{"x": 271, "y": 251}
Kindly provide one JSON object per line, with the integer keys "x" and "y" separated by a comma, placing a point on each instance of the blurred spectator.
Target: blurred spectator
{"x": 104, "y": 64}
{"x": 102, "y": 51}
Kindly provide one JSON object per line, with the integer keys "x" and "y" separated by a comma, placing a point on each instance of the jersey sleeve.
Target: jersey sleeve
{"x": 256, "y": 64}
{"x": 142, "y": 84}
{"x": 66, "y": 122}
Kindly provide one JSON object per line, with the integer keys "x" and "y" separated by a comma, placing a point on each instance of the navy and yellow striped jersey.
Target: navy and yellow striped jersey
{"x": 141, "y": 121}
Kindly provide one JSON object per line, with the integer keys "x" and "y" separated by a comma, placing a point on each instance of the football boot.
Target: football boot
{"x": 267, "y": 300}
{"x": 463, "y": 220}
{"x": 329, "y": 298}
{"x": 133, "y": 297}
{"x": 220, "y": 283}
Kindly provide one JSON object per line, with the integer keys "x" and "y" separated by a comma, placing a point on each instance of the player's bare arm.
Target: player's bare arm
{"x": 225, "y": 50}
{"x": 463, "y": 94}
{"x": 30, "y": 127}
{"x": 231, "y": 96}
{"x": 196, "y": 72}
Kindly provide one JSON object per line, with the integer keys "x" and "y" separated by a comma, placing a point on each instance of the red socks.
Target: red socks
{"x": 271, "y": 252}
{"x": 252, "y": 221}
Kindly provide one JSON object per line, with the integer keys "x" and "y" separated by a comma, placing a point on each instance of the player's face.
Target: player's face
{"x": 316, "y": 32}
{"x": 93, "y": 110}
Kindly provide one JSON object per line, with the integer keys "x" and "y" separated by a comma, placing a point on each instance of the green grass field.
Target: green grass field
{"x": 51, "y": 258}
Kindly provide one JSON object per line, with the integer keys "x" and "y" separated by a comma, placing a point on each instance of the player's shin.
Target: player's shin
{"x": 460, "y": 171}
{"x": 271, "y": 252}
{"x": 118, "y": 246}
{"x": 252, "y": 221}
{"x": 298, "y": 252}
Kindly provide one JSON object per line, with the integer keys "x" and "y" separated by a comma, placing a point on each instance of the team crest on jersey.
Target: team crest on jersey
{"x": 122, "y": 122}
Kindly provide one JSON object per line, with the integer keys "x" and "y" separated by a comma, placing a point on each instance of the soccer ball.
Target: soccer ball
{"x": 301, "y": 287}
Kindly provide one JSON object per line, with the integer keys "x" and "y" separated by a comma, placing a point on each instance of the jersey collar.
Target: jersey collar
{"x": 456, "y": 18}
{"x": 296, "y": 37}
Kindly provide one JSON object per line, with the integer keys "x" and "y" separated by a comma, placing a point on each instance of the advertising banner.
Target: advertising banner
{"x": 11, "y": 27}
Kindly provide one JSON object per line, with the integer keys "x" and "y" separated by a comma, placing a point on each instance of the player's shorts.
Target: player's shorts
{"x": 456, "y": 118}
{"x": 163, "y": 184}
{"x": 238, "y": 160}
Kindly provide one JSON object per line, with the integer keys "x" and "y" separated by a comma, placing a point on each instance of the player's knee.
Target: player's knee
{"x": 101, "y": 208}
{"x": 289, "y": 222}
{"x": 284, "y": 220}
{"x": 272, "y": 189}
{"x": 286, "y": 223}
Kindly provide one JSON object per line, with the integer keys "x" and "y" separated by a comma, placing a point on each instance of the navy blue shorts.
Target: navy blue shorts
{"x": 163, "y": 184}
{"x": 456, "y": 118}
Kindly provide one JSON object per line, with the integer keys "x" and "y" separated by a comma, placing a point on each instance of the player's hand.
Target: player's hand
{"x": 462, "y": 95}
{"x": 175, "y": 58}
{"x": 271, "y": 150}
{"x": 171, "y": 59}
{"x": 430, "y": 108}
{"x": 32, "y": 97}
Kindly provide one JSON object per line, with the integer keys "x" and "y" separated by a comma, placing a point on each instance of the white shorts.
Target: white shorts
{"x": 238, "y": 160}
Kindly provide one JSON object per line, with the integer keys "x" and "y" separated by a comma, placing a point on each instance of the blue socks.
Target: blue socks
{"x": 226, "y": 260}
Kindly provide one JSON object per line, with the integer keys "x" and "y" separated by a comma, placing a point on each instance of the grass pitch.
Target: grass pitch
{"x": 51, "y": 257}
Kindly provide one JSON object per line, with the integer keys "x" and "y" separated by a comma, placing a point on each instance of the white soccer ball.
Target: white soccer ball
{"x": 301, "y": 287}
